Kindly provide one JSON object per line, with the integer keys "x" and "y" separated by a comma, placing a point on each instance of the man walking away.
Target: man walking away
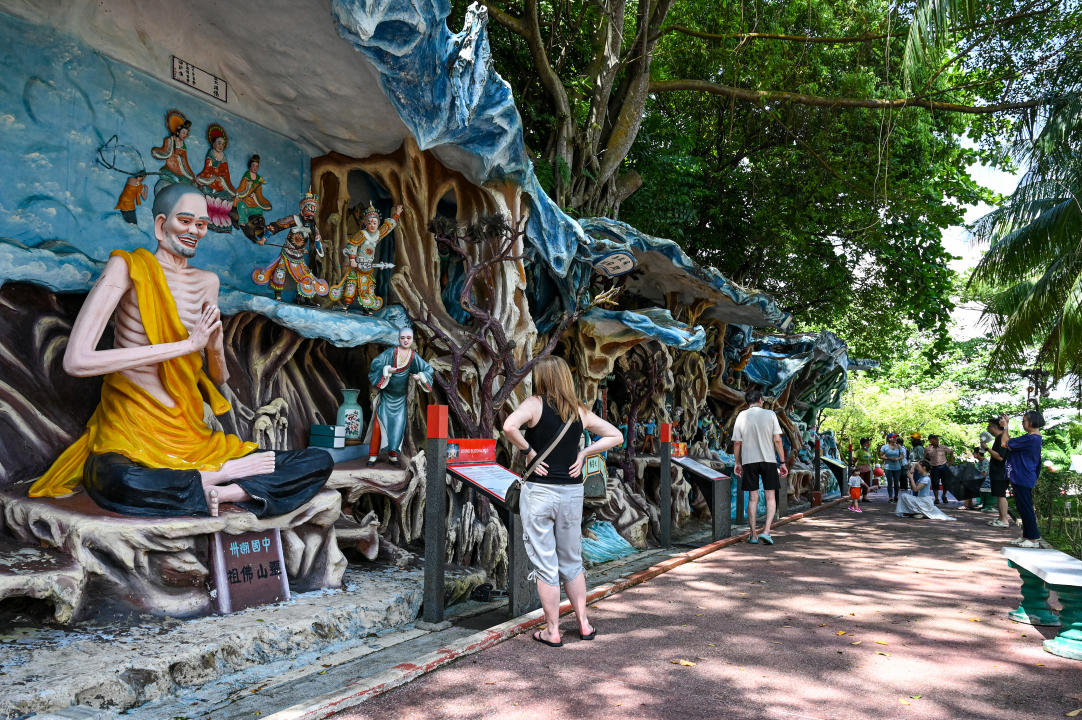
{"x": 758, "y": 450}
{"x": 937, "y": 456}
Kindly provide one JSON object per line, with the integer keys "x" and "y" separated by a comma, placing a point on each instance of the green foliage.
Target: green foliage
{"x": 835, "y": 211}
{"x": 1057, "y": 500}
{"x": 1031, "y": 277}
{"x": 870, "y": 409}
{"x": 1032, "y": 274}
{"x": 947, "y": 392}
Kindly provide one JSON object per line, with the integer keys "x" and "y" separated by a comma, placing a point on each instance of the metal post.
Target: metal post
{"x": 783, "y": 496}
{"x": 521, "y": 591}
{"x": 435, "y": 513}
{"x": 722, "y": 501}
{"x": 665, "y": 485}
{"x": 816, "y": 483}
{"x": 739, "y": 498}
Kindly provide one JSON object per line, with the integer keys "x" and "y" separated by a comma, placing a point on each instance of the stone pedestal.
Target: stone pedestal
{"x": 1033, "y": 609}
{"x": 154, "y": 565}
{"x": 1068, "y": 643}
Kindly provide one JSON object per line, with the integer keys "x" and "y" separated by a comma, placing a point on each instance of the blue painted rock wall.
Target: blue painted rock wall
{"x": 60, "y": 100}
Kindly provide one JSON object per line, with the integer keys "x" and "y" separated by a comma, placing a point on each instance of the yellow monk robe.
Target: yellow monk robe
{"x": 130, "y": 422}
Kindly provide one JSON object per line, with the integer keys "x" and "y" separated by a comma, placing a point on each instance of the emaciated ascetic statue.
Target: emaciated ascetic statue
{"x": 146, "y": 450}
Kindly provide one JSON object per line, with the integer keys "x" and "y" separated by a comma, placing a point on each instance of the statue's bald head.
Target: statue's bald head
{"x": 180, "y": 219}
{"x": 166, "y": 200}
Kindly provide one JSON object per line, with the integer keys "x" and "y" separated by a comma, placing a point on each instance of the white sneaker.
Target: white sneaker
{"x": 1018, "y": 541}
{"x": 1029, "y": 543}
{"x": 998, "y": 523}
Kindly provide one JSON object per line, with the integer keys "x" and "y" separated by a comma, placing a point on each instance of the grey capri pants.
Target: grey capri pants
{"x": 552, "y": 530}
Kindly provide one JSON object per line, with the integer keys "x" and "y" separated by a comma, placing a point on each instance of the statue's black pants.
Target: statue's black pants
{"x": 116, "y": 483}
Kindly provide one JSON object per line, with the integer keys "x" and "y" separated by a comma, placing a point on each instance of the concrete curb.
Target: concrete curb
{"x": 356, "y": 693}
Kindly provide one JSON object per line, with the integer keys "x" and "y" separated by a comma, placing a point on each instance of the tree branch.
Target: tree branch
{"x": 742, "y": 37}
{"x": 901, "y": 31}
{"x": 765, "y": 96}
{"x": 504, "y": 18}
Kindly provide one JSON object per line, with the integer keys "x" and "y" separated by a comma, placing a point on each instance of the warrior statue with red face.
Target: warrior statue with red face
{"x": 290, "y": 265}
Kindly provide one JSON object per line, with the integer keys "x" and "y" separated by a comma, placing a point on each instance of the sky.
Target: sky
{"x": 958, "y": 241}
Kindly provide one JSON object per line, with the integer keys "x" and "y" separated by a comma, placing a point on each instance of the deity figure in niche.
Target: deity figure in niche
{"x": 390, "y": 374}
{"x": 174, "y": 153}
{"x": 134, "y": 193}
{"x": 214, "y": 180}
{"x": 359, "y": 283}
{"x": 290, "y": 265}
{"x": 147, "y": 450}
{"x": 830, "y": 444}
{"x": 650, "y": 432}
{"x": 249, "y": 200}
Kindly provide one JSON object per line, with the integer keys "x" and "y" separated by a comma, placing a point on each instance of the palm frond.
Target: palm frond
{"x": 931, "y": 29}
{"x": 1032, "y": 236}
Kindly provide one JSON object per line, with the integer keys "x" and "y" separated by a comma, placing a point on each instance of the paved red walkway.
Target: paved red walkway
{"x": 848, "y": 616}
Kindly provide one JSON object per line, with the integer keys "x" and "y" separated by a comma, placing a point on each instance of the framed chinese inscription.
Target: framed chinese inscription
{"x": 249, "y": 570}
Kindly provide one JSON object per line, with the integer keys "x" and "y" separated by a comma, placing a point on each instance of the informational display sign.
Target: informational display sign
{"x": 833, "y": 462}
{"x": 699, "y": 469}
{"x": 249, "y": 569}
{"x": 201, "y": 80}
{"x": 493, "y": 479}
{"x": 470, "y": 450}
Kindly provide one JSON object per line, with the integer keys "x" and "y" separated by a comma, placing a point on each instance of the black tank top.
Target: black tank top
{"x": 563, "y": 456}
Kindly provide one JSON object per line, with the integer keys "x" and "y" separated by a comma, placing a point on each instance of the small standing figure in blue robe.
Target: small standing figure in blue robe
{"x": 390, "y": 375}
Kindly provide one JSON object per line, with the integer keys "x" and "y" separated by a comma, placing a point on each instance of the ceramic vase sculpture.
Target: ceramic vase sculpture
{"x": 351, "y": 416}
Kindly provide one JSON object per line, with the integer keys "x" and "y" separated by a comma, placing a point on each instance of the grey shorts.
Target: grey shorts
{"x": 552, "y": 532}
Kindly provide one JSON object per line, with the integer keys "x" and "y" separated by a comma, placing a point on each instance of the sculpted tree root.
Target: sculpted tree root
{"x": 161, "y": 565}
{"x": 45, "y": 409}
{"x": 280, "y": 383}
{"x": 629, "y": 512}
{"x": 394, "y": 497}
{"x": 390, "y": 502}
{"x": 475, "y": 533}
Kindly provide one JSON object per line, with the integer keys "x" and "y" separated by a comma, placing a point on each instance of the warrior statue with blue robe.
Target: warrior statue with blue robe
{"x": 390, "y": 375}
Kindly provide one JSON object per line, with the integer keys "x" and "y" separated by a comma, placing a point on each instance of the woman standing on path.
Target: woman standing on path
{"x": 551, "y": 499}
{"x": 1023, "y": 465}
{"x": 892, "y": 454}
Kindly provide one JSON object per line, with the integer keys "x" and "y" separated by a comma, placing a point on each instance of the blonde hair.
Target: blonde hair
{"x": 552, "y": 382}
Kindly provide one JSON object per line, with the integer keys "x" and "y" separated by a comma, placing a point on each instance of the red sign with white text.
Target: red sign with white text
{"x": 470, "y": 450}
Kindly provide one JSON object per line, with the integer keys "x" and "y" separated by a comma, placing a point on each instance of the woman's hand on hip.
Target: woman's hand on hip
{"x": 542, "y": 468}
{"x": 576, "y": 467}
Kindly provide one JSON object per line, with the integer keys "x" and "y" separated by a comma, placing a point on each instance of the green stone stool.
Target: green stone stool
{"x": 1068, "y": 643}
{"x": 1033, "y": 609}
{"x": 988, "y": 503}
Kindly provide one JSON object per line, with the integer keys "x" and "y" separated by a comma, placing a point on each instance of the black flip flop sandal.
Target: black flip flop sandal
{"x": 537, "y": 636}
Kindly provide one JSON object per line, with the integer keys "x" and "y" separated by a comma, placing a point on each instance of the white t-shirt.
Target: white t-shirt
{"x": 755, "y": 429}
{"x": 855, "y": 481}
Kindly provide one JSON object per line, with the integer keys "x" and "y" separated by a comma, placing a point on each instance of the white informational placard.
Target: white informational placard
{"x": 492, "y": 478}
{"x": 201, "y": 80}
{"x": 699, "y": 469}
